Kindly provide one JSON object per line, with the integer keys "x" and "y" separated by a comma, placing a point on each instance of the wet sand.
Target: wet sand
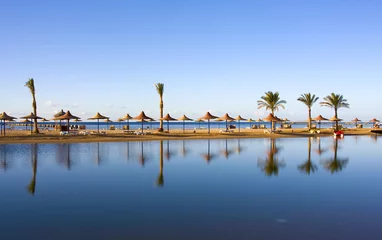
{"x": 20, "y": 136}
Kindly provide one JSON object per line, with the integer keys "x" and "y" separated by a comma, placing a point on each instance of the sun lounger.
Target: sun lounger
{"x": 272, "y": 131}
{"x": 64, "y": 133}
{"x": 226, "y": 131}
{"x": 315, "y": 131}
{"x": 129, "y": 131}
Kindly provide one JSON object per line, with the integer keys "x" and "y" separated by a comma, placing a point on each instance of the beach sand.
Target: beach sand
{"x": 22, "y": 136}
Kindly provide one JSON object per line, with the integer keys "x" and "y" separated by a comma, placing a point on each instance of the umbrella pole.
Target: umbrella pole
{"x": 183, "y": 126}
{"x": 239, "y": 125}
{"x": 98, "y": 125}
{"x": 208, "y": 126}
{"x": 168, "y": 126}
{"x": 68, "y": 126}
{"x": 142, "y": 131}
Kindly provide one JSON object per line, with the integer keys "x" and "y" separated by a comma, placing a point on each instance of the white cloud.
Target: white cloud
{"x": 49, "y": 103}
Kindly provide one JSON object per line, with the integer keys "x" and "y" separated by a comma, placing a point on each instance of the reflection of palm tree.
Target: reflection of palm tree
{"x": 308, "y": 167}
{"x": 208, "y": 157}
{"x": 226, "y": 152}
{"x": 32, "y": 184}
{"x": 271, "y": 165}
{"x": 160, "y": 179}
{"x": 335, "y": 164}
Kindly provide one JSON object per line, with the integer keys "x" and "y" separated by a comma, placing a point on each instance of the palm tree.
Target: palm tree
{"x": 30, "y": 85}
{"x": 335, "y": 164}
{"x": 308, "y": 167}
{"x": 271, "y": 101}
{"x": 335, "y": 101}
{"x": 160, "y": 90}
{"x": 160, "y": 179}
{"x": 308, "y": 99}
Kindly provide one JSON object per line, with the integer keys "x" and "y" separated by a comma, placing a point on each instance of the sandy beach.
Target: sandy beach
{"x": 19, "y": 136}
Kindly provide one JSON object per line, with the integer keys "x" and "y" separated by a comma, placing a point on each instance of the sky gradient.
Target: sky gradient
{"x": 219, "y": 56}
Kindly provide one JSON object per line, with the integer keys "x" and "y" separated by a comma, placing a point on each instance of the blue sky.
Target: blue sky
{"x": 219, "y": 56}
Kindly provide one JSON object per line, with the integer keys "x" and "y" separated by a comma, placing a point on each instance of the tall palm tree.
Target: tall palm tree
{"x": 160, "y": 179}
{"x": 30, "y": 85}
{"x": 271, "y": 101}
{"x": 335, "y": 101}
{"x": 160, "y": 90}
{"x": 308, "y": 99}
{"x": 308, "y": 167}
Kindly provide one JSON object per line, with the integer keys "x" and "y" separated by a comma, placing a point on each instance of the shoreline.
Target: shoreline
{"x": 15, "y": 137}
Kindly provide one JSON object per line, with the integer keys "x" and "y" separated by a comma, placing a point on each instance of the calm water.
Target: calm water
{"x": 304, "y": 188}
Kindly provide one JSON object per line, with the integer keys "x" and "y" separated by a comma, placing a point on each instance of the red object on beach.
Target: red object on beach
{"x": 339, "y": 134}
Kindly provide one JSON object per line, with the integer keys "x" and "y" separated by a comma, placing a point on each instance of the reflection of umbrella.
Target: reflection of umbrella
{"x": 226, "y": 152}
{"x": 67, "y": 116}
{"x": 355, "y": 120}
{"x": 31, "y": 116}
{"x": 208, "y": 117}
{"x": 239, "y": 118}
{"x": 142, "y": 116}
{"x": 208, "y": 156}
{"x": 126, "y": 118}
{"x": 184, "y": 118}
{"x": 97, "y": 117}
{"x": 226, "y": 117}
{"x": 199, "y": 121}
{"x": 272, "y": 119}
{"x": 168, "y": 118}
{"x": 320, "y": 118}
{"x": 4, "y": 116}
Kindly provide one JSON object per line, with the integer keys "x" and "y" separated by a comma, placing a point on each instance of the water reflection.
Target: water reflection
{"x": 63, "y": 155}
{"x": 184, "y": 151}
{"x": 32, "y": 185}
{"x": 169, "y": 153}
{"x": 335, "y": 164}
{"x": 4, "y": 164}
{"x": 160, "y": 178}
{"x": 238, "y": 149}
{"x": 226, "y": 152}
{"x": 142, "y": 157}
{"x": 208, "y": 156}
{"x": 271, "y": 165}
{"x": 308, "y": 167}
{"x": 319, "y": 150}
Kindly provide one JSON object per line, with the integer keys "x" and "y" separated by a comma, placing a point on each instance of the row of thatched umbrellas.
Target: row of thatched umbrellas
{"x": 142, "y": 117}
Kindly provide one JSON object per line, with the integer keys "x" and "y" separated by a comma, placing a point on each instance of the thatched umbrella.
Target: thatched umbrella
{"x": 271, "y": 118}
{"x": 77, "y": 120}
{"x": 67, "y": 116}
{"x": 218, "y": 120}
{"x": 32, "y": 117}
{"x": 355, "y": 120}
{"x": 97, "y": 117}
{"x": 208, "y": 117}
{"x": 374, "y": 120}
{"x": 199, "y": 121}
{"x": 4, "y": 117}
{"x": 184, "y": 118}
{"x": 126, "y": 118}
{"x": 227, "y": 118}
{"x": 249, "y": 121}
{"x": 44, "y": 120}
{"x": 320, "y": 118}
{"x": 59, "y": 114}
{"x": 239, "y": 118}
{"x": 119, "y": 120}
{"x": 142, "y": 116}
{"x": 107, "y": 120}
{"x": 26, "y": 121}
{"x": 168, "y": 118}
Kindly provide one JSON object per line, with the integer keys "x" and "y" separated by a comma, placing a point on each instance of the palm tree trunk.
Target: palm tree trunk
{"x": 309, "y": 118}
{"x": 272, "y": 122}
{"x": 335, "y": 115}
{"x": 161, "y": 112}
{"x": 35, "y": 128}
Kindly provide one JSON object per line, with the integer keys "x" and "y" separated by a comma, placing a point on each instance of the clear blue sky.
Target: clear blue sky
{"x": 217, "y": 56}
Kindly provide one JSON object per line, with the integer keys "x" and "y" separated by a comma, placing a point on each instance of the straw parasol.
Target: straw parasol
{"x": 31, "y": 116}
{"x": 271, "y": 118}
{"x": 259, "y": 120}
{"x": 97, "y": 117}
{"x": 67, "y": 116}
{"x": 168, "y": 118}
{"x": 239, "y": 118}
{"x": 374, "y": 120}
{"x": 119, "y": 120}
{"x": 320, "y": 118}
{"x": 199, "y": 121}
{"x": 26, "y": 121}
{"x": 208, "y": 116}
{"x": 218, "y": 120}
{"x": 77, "y": 120}
{"x": 59, "y": 114}
{"x": 184, "y": 118}
{"x": 227, "y": 117}
{"x": 142, "y": 116}
{"x": 44, "y": 120}
{"x": 126, "y": 118}
{"x": 4, "y": 117}
{"x": 355, "y": 120}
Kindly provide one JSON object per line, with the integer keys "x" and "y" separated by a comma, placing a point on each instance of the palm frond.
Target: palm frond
{"x": 160, "y": 88}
